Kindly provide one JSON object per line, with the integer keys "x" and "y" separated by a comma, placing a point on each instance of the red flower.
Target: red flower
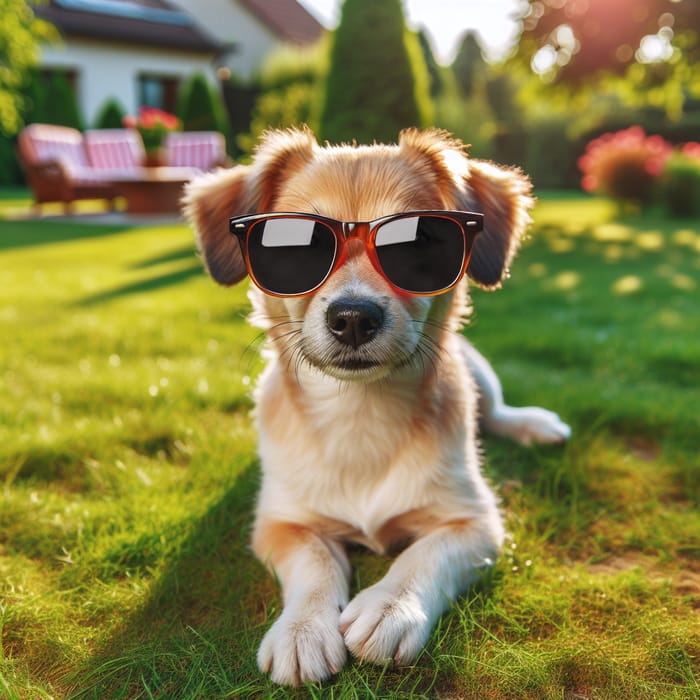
{"x": 153, "y": 124}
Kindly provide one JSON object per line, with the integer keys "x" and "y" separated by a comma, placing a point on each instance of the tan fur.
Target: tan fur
{"x": 387, "y": 456}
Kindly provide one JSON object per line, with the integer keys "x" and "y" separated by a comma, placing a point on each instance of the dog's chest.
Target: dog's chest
{"x": 354, "y": 454}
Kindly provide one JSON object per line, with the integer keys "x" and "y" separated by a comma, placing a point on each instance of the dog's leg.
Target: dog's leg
{"x": 527, "y": 424}
{"x": 393, "y": 618}
{"x": 304, "y": 644}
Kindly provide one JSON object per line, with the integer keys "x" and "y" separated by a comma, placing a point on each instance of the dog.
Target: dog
{"x": 368, "y": 407}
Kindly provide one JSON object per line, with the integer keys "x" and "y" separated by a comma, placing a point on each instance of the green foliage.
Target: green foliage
{"x": 111, "y": 116}
{"x": 289, "y": 65}
{"x": 289, "y": 84}
{"x": 593, "y": 47}
{"x": 62, "y": 103}
{"x": 681, "y": 185}
{"x": 35, "y": 103}
{"x": 470, "y": 119}
{"x": 293, "y": 105}
{"x": 377, "y": 81}
{"x": 200, "y": 107}
{"x": 469, "y": 65}
{"x": 10, "y": 170}
{"x": 434, "y": 72}
{"x": 129, "y": 478}
{"x": 20, "y": 34}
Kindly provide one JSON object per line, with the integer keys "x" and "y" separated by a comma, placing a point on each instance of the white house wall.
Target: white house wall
{"x": 230, "y": 23}
{"x": 111, "y": 71}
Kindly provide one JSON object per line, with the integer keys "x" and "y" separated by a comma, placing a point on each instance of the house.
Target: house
{"x": 254, "y": 28}
{"x": 139, "y": 52}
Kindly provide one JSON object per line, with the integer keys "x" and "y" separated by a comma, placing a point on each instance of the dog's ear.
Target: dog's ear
{"x": 504, "y": 196}
{"x": 208, "y": 203}
{"x": 210, "y": 200}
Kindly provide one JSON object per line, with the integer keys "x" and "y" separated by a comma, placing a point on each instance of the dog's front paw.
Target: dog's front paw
{"x": 303, "y": 646}
{"x": 530, "y": 425}
{"x": 382, "y": 623}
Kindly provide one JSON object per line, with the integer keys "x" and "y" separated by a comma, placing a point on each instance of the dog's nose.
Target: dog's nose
{"x": 354, "y": 322}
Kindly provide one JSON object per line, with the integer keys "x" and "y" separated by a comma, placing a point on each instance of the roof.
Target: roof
{"x": 287, "y": 19}
{"x": 150, "y": 22}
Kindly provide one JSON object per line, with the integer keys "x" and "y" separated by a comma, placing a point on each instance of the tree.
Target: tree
{"x": 654, "y": 45}
{"x": 200, "y": 108}
{"x": 377, "y": 82}
{"x": 469, "y": 63}
{"x": 434, "y": 75}
{"x": 20, "y": 34}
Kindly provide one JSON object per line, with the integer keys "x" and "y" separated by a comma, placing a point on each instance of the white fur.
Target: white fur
{"x": 358, "y": 463}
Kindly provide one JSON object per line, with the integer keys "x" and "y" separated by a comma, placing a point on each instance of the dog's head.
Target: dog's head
{"x": 355, "y": 326}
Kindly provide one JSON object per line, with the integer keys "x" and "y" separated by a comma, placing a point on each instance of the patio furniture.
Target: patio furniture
{"x": 57, "y": 168}
{"x": 115, "y": 152}
{"x": 155, "y": 191}
{"x": 63, "y": 165}
{"x": 203, "y": 150}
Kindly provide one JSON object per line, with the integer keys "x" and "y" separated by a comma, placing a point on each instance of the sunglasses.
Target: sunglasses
{"x": 422, "y": 252}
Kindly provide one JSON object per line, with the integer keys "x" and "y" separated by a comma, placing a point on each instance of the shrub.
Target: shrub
{"x": 10, "y": 170}
{"x": 550, "y": 157}
{"x": 624, "y": 165}
{"x": 61, "y": 102}
{"x": 288, "y": 87}
{"x": 200, "y": 107}
{"x": 111, "y": 116}
{"x": 681, "y": 181}
{"x": 290, "y": 64}
{"x": 288, "y": 106}
{"x": 377, "y": 82}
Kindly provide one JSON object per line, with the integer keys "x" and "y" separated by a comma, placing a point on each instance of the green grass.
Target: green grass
{"x": 128, "y": 473}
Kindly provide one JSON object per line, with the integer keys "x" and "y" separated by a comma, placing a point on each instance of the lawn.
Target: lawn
{"x": 128, "y": 473}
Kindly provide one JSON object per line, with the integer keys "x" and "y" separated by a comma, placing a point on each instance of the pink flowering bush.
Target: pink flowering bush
{"x": 153, "y": 124}
{"x": 624, "y": 165}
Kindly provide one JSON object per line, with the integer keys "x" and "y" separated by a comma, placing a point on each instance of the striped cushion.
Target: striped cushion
{"x": 115, "y": 151}
{"x": 203, "y": 150}
{"x": 66, "y": 152}
{"x": 46, "y": 143}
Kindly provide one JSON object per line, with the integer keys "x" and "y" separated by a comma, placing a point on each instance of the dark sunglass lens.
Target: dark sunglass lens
{"x": 421, "y": 254}
{"x": 291, "y": 256}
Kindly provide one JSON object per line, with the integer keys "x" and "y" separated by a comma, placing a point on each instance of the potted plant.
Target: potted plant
{"x": 153, "y": 124}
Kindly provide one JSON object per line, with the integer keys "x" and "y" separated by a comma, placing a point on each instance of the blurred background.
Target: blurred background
{"x": 531, "y": 83}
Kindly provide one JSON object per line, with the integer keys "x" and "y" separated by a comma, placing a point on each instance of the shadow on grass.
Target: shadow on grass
{"x": 184, "y": 253}
{"x": 26, "y": 234}
{"x": 151, "y": 284}
{"x": 196, "y": 635}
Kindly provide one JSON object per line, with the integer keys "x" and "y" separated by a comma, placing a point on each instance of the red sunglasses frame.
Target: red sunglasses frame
{"x": 470, "y": 224}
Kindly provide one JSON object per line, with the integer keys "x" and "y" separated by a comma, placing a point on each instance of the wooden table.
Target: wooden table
{"x": 155, "y": 190}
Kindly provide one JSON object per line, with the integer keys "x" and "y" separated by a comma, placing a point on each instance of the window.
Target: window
{"x": 158, "y": 91}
